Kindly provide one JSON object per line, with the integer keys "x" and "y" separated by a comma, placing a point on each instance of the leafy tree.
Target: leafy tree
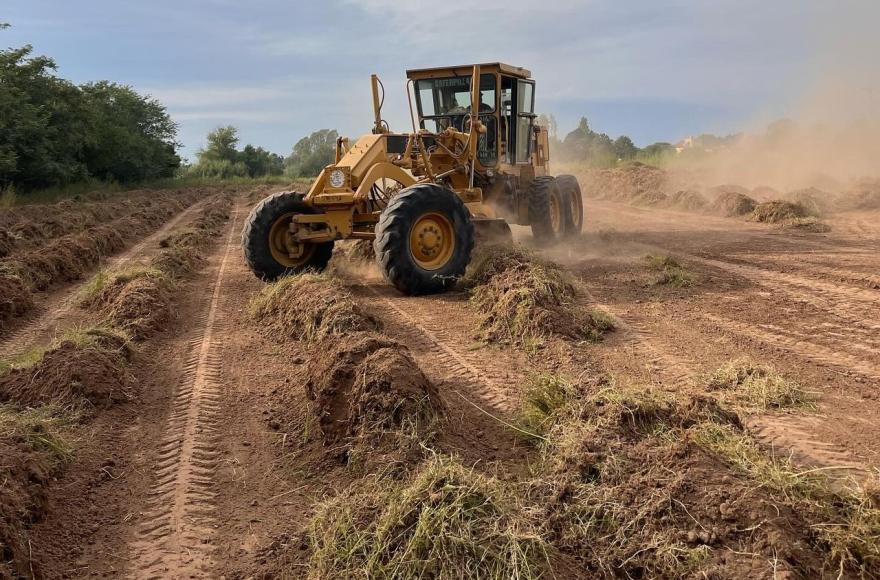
{"x": 311, "y": 154}
{"x": 260, "y": 162}
{"x": 657, "y": 152}
{"x": 132, "y": 137}
{"x": 624, "y": 148}
{"x": 222, "y": 143}
{"x": 53, "y": 132}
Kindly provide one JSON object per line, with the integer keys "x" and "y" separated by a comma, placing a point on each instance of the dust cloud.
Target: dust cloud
{"x": 831, "y": 136}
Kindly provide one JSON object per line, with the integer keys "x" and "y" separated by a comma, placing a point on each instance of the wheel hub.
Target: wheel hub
{"x": 432, "y": 241}
{"x": 284, "y": 247}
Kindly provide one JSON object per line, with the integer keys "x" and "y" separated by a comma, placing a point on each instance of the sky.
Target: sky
{"x": 656, "y": 70}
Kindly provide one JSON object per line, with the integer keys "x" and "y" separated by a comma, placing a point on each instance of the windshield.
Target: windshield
{"x": 452, "y": 96}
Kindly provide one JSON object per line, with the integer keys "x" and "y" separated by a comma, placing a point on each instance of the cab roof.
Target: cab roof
{"x": 467, "y": 69}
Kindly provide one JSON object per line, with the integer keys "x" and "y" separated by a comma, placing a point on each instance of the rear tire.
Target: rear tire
{"x": 548, "y": 208}
{"x": 571, "y": 190}
{"x": 424, "y": 239}
{"x": 263, "y": 234}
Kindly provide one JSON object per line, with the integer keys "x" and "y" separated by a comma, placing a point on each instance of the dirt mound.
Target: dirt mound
{"x": 185, "y": 247}
{"x": 625, "y": 491}
{"x": 15, "y": 298}
{"x": 309, "y": 307}
{"x": 633, "y": 180}
{"x": 688, "y": 200}
{"x": 864, "y": 196}
{"x": 87, "y": 366}
{"x": 775, "y": 212}
{"x": 31, "y": 454}
{"x": 523, "y": 299}
{"x": 650, "y": 199}
{"x": 364, "y": 386}
{"x": 733, "y": 204}
{"x": 815, "y": 201}
{"x": 135, "y": 301}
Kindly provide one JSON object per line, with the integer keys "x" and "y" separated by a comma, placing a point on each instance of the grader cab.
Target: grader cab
{"x": 474, "y": 162}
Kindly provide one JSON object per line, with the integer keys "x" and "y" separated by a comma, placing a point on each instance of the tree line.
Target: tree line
{"x": 585, "y": 146}
{"x": 54, "y": 132}
{"x": 221, "y": 158}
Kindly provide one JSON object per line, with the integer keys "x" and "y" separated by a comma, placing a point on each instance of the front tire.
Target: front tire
{"x": 424, "y": 239}
{"x": 571, "y": 190}
{"x": 267, "y": 244}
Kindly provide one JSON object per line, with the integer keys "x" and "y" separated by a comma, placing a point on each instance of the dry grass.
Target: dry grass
{"x": 444, "y": 522}
{"x": 670, "y": 271}
{"x": 309, "y": 307}
{"x": 846, "y": 518}
{"x": 759, "y": 387}
{"x": 522, "y": 300}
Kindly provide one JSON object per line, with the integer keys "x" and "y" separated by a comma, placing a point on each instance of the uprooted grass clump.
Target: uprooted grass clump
{"x": 523, "y": 299}
{"x": 444, "y": 522}
{"x": 33, "y": 449}
{"x": 365, "y": 390}
{"x": 635, "y": 483}
{"x": 670, "y": 272}
{"x": 309, "y": 307}
{"x": 135, "y": 300}
{"x": 15, "y": 297}
{"x": 778, "y": 211}
{"x": 758, "y": 387}
{"x": 183, "y": 249}
{"x": 81, "y": 367}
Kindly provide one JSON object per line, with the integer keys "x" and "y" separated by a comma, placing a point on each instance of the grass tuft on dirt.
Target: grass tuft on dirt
{"x": 670, "y": 271}
{"x": 806, "y": 224}
{"x": 15, "y": 298}
{"x": 444, "y": 522}
{"x": 522, "y": 299}
{"x": 81, "y": 367}
{"x": 309, "y": 307}
{"x": 759, "y": 387}
{"x": 134, "y": 300}
{"x": 33, "y": 450}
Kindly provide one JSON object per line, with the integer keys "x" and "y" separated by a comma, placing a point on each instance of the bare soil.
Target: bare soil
{"x": 237, "y": 430}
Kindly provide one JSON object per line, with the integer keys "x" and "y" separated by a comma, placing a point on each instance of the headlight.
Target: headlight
{"x": 337, "y": 178}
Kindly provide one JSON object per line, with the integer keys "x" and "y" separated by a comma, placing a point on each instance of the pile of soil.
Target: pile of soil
{"x": 775, "y": 212}
{"x": 136, "y": 303}
{"x": 815, "y": 201}
{"x": 15, "y": 298}
{"x": 626, "y": 183}
{"x": 309, "y": 307}
{"x": 864, "y": 196}
{"x": 366, "y": 386}
{"x": 688, "y": 200}
{"x": 626, "y": 490}
{"x": 25, "y": 472}
{"x": 522, "y": 299}
{"x": 732, "y": 204}
{"x": 91, "y": 367}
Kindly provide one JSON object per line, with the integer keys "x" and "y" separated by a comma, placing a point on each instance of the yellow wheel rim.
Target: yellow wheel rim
{"x": 432, "y": 241}
{"x": 287, "y": 251}
{"x": 555, "y": 213}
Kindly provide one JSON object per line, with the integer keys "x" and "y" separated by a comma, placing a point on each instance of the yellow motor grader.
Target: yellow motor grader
{"x": 474, "y": 162}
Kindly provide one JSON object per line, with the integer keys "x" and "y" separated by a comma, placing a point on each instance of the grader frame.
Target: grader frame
{"x": 485, "y": 150}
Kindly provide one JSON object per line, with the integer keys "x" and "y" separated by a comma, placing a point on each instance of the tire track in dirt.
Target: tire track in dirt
{"x": 40, "y": 331}
{"x": 435, "y": 351}
{"x": 176, "y": 531}
{"x": 796, "y": 346}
